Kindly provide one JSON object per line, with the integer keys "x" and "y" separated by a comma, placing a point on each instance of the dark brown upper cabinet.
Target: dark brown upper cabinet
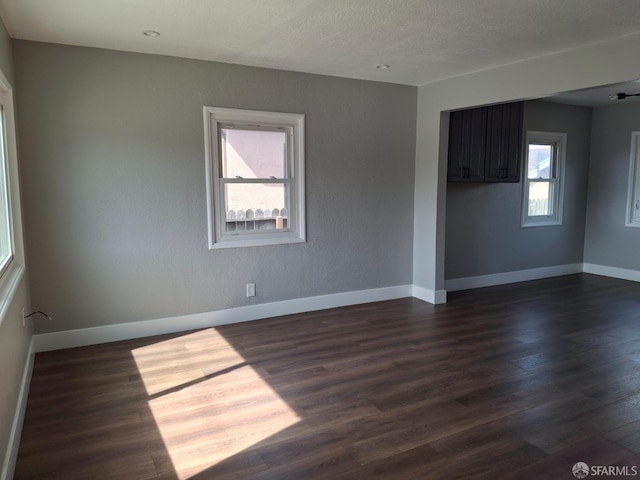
{"x": 485, "y": 144}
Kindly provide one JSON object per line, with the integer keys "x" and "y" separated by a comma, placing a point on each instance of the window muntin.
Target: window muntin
{"x": 255, "y": 171}
{"x": 6, "y": 231}
{"x": 542, "y": 191}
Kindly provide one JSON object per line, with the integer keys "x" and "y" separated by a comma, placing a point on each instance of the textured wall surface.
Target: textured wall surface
{"x": 608, "y": 241}
{"x": 14, "y": 338}
{"x": 483, "y": 228}
{"x": 114, "y": 188}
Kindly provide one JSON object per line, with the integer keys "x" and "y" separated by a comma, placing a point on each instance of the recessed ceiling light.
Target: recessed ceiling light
{"x": 151, "y": 33}
{"x": 383, "y": 67}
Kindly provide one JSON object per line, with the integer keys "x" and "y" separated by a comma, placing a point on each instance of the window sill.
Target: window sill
{"x": 255, "y": 242}
{"x": 541, "y": 224}
{"x": 8, "y": 286}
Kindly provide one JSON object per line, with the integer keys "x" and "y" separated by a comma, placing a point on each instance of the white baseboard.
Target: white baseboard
{"x": 511, "y": 277}
{"x": 11, "y": 456}
{"x": 615, "y": 272}
{"x": 432, "y": 296}
{"x": 125, "y": 331}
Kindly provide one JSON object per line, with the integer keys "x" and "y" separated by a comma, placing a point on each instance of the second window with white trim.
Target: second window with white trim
{"x": 255, "y": 169}
{"x": 543, "y": 179}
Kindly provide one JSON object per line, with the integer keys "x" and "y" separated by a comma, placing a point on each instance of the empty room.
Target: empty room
{"x": 319, "y": 239}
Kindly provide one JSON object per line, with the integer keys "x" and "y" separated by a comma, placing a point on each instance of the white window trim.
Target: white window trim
{"x": 560, "y": 142}
{"x": 296, "y": 231}
{"x": 14, "y": 270}
{"x": 633, "y": 192}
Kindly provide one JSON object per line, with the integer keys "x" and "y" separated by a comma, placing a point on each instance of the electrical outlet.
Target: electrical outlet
{"x": 251, "y": 289}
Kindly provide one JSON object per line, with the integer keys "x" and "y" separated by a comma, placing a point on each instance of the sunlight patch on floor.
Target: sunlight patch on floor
{"x": 207, "y": 402}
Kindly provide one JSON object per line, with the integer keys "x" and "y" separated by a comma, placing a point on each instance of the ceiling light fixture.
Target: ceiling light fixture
{"x": 151, "y": 33}
{"x": 383, "y": 67}
{"x": 622, "y": 96}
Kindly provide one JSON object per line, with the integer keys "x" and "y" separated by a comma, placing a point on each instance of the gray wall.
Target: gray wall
{"x": 608, "y": 242}
{"x": 115, "y": 208}
{"x": 14, "y": 338}
{"x": 483, "y": 232}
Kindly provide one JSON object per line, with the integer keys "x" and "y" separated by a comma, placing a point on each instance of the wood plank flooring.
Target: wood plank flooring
{"x": 508, "y": 382}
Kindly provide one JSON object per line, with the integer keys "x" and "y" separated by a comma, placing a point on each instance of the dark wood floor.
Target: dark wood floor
{"x": 507, "y": 382}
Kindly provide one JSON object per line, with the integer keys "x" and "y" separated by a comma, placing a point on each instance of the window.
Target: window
{"x": 255, "y": 177}
{"x": 6, "y": 231}
{"x": 11, "y": 245}
{"x": 633, "y": 202}
{"x": 543, "y": 179}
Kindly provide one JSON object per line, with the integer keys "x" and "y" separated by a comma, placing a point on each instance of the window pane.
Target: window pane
{"x": 256, "y": 206}
{"x": 540, "y": 194}
{"x": 253, "y": 153}
{"x": 539, "y": 161}
{"x": 6, "y": 249}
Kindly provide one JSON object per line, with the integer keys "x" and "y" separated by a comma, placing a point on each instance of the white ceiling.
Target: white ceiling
{"x": 422, "y": 40}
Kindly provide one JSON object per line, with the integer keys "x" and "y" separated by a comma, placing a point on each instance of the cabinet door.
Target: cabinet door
{"x": 504, "y": 143}
{"x": 467, "y": 133}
